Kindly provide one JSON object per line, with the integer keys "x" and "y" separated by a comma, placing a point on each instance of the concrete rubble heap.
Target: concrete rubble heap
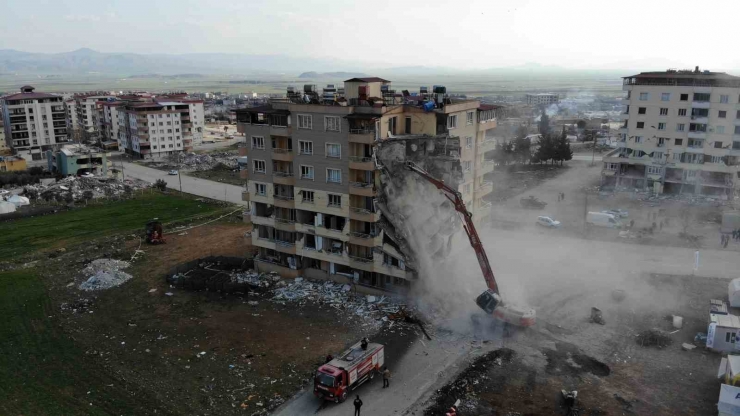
{"x": 418, "y": 216}
{"x": 199, "y": 162}
{"x": 78, "y": 185}
{"x": 104, "y": 274}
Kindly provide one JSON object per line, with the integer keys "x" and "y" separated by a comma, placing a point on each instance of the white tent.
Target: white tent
{"x": 729, "y": 401}
{"x": 734, "y": 293}
{"x": 18, "y": 201}
{"x": 6, "y": 207}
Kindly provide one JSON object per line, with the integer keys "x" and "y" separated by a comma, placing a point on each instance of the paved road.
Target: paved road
{"x": 587, "y": 158}
{"x": 195, "y": 186}
{"x": 219, "y": 144}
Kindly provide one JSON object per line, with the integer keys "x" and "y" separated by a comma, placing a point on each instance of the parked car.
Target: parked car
{"x": 619, "y": 213}
{"x": 602, "y": 219}
{"x": 172, "y": 172}
{"x": 547, "y": 222}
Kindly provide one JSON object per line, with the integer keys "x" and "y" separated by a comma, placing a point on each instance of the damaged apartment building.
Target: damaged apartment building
{"x": 326, "y": 171}
{"x": 681, "y": 134}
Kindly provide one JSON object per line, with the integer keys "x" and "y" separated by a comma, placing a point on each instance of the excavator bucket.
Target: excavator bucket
{"x": 491, "y": 303}
{"x": 488, "y": 301}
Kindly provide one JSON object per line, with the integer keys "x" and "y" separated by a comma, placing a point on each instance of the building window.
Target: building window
{"x": 306, "y": 172}
{"x": 641, "y": 110}
{"x": 701, "y": 96}
{"x": 638, "y": 139}
{"x": 680, "y": 127}
{"x": 737, "y": 129}
{"x": 333, "y": 175}
{"x": 333, "y": 150}
{"x": 469, "y": 118}
{"x": 467, "y": 166}
{"x": 331, "y": 123}
{"x": 307, "y": 196}
{"x": 169, "y": 130}
{"x": 663, "y": 111}
{"x": 469, "y": 142}
{"x": 661, "y": 126}
{"x": 722, "y": 114}
{"x": 717, "y": 159}
{"x": 258, "y": 142}
{"x": 640, "y": 124}
{"x": 666, "y": 96}
{"x": 724, "y": 99}
{"x": 305, "y": 121}
{"x": 717, "y": 145}
{"x": 678, "y": 142}
{"x": 654, "y": 170}
{"x": 701, "y": 128}
{"x": 335, "y": 200}
{"x": 612, "y": 166}
{"x": 682, "y": 112}
{"x": 735, "y": 145}
{"x": 644, "y": 96}
{"x": 260, "y": 189}
{"x": 720, "y": 129}
{"x": 259, "y": 166}
{"x": 452, "y": 121}
{"x": 466, "y": 188}
{"x": 684, "y": 97}
{"x": 305, "y": 147}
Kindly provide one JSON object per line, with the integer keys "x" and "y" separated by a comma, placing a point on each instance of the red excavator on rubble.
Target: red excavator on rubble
{"x": 490, "y": 300}
{"x": 154, "y": 233}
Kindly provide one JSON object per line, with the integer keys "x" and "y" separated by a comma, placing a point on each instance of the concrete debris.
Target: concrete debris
{"x": 199, "y": 162}
{"x": 79, "y": 186}
{"x": 104, "y": 274}
{"x": 687, "y": 347}
{"x": 597, "y": 317}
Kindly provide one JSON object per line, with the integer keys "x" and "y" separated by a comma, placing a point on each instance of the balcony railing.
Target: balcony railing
{"x": 360, "y": 159}
{"x": 282, "y": 174}
{"x": 361, "y": 210}
{"x": 361, "y": 131}
{"x": 361, "y": 259}
{"x": 284, "y": 243}
{"x": 361, "y": 184}
{"x": 283, "y": 197}
{"x": 361, "y": 235}
{"x": 284, "y": 220}
{"x": 282, "y": 151}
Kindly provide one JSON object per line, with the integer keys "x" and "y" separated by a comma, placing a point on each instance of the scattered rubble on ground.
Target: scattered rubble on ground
{"x": 78, "y": 186}
{"x": 654, "y": 337}
{"x": 104, "y": 274}
{"x": 208, "y": 161}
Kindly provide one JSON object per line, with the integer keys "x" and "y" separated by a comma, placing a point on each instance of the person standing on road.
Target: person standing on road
{"x": 358, "y": 405}
{"x": 632, "y": 224}
{"x": 386, "y": 377}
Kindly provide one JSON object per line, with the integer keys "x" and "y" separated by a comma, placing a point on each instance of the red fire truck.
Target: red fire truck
{"x": 335, "y": 379}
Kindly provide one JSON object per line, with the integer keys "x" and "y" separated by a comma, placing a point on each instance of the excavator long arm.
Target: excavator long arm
{"x": 456, "y": 199}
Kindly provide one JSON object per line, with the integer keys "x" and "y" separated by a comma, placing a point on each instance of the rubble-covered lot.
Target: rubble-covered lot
{"x": 81, "y": 188}
{"x": 613, "y": 369}
{"x": 193, "y": 162}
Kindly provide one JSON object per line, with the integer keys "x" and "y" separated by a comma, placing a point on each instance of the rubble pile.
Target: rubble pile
{"x": 199, "y": 162}
{"x": 654, "y": 337}
{"x": 104, "y": 274}
{"x": 78, "y": 186}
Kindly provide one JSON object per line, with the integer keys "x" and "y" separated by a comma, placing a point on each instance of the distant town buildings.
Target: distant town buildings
{"x": 12, "y": 163}
{"x": 541, "y": 99}
{"x": 680, "y": 134}
{"x": 34, "y": 122}
{"x": 155, "y": 129}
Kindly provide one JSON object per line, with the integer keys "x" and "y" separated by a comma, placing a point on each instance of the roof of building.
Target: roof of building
{"x": 367, "y": 79}
{"x": 684, "y": 74}
{"x": 28, "y": 94}
{"x": 79, "y": 149}
{"x": 726, "y": 321}
{"x": 486, "y": 107}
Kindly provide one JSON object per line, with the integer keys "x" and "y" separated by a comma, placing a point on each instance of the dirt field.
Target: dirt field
{"x": 197, "y": 352}
{"x": 612, "y": 372}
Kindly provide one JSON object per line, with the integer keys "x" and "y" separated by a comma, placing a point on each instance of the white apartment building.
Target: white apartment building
{"x": 89, "y": 117}
{"x": 109, "y": 131}
{"x": 681, "y": 134}
{"x": 198, "y": 118}
{"x": 34, "y": 122}
{"x": 542, "y": 99}
{"x": 71, "y": 111}
{"x": 154, "y": 129}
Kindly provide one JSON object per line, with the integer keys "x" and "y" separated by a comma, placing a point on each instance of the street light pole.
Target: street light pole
{"x": 179, "y": 166}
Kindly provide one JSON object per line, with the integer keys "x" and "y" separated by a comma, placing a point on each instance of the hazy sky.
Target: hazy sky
{"x": 461, "y": 33}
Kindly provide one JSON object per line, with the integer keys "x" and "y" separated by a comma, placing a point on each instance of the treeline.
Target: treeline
{"x": 21, "y": 178}
{"x": 550, "y": 147}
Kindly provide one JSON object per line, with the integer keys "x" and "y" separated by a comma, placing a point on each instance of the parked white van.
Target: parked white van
{"x": 602, "y": 219}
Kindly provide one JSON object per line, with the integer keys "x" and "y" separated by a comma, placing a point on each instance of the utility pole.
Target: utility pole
{"x": 179, "y": 166}
{"x": 585, "y": 211}
{"x": 593, "y": 153}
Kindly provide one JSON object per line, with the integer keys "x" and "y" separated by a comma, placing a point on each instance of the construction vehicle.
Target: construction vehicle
{"x": 532, "y": 203}
{"x": 358, "y": 364}
{"x": 490, "y": 300}
{"x": 154, "y": 233}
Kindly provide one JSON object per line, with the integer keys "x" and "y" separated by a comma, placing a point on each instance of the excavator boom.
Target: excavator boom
{"x": 490, "y": 300}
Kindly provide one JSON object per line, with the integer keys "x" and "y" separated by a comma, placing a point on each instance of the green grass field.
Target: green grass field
{"x": 87, "y": 223}
{"x": 42, "y": 372}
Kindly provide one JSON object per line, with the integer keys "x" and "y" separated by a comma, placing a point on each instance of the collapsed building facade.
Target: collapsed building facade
{"x": 329, "y": 195}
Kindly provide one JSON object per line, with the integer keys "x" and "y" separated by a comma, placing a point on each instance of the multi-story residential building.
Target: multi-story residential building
{"x": 70, "y": 106}
{"x": 89, "y": 112}
{"x": 4, "y": 148}
{"x": 681, "y": 134}
{"x": 197, "y": 113}
{"x": 34, "y": 122}
{"x": 313, "y": 175}
{"x": 77, "y": 159}
{"x": 542, "y": 99}
{"x": 154, "y": 129}
{"x": 109, "y": 131}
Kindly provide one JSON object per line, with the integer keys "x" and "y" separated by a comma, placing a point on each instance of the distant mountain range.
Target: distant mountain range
{"x": 332, "y": 75}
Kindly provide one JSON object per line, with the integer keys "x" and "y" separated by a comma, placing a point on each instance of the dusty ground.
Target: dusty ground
{"x": 612, "y": 373}
{"x": 253, "y": 353}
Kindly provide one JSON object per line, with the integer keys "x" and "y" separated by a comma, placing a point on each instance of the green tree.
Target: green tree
{"x": 522, "y": 152}
{"x": 562, "y": 150}
{"x": 160, "y": 184}
{"x": 544, "y": 124}
{"x": 521, "y": 131}
{"x": 546, "y": 150}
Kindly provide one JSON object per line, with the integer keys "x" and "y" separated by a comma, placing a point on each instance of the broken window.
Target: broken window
{"x": 259, "y": 166}
{"x": 305, "y": 147}
{"x": 335, "y": 200}
{"x": 258, "y": 142}
{"x": 306, "y": 172}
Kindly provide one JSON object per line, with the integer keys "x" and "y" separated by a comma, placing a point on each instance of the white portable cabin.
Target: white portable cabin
{"x": 722, "y": 332}
{"x": 729, "y": 401}
{"x": 733, "y": 292}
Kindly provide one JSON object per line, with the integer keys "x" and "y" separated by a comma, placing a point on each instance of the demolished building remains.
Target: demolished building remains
{"x": 325, "y": 175}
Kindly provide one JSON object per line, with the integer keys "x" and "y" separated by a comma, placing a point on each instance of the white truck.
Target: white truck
{"x": 602, "y": 219}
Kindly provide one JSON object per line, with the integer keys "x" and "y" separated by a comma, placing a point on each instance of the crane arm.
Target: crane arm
{"x": 455, "y": 197}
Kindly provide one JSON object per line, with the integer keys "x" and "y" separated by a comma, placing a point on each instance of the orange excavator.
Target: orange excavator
{"x": 490, "y": 300}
